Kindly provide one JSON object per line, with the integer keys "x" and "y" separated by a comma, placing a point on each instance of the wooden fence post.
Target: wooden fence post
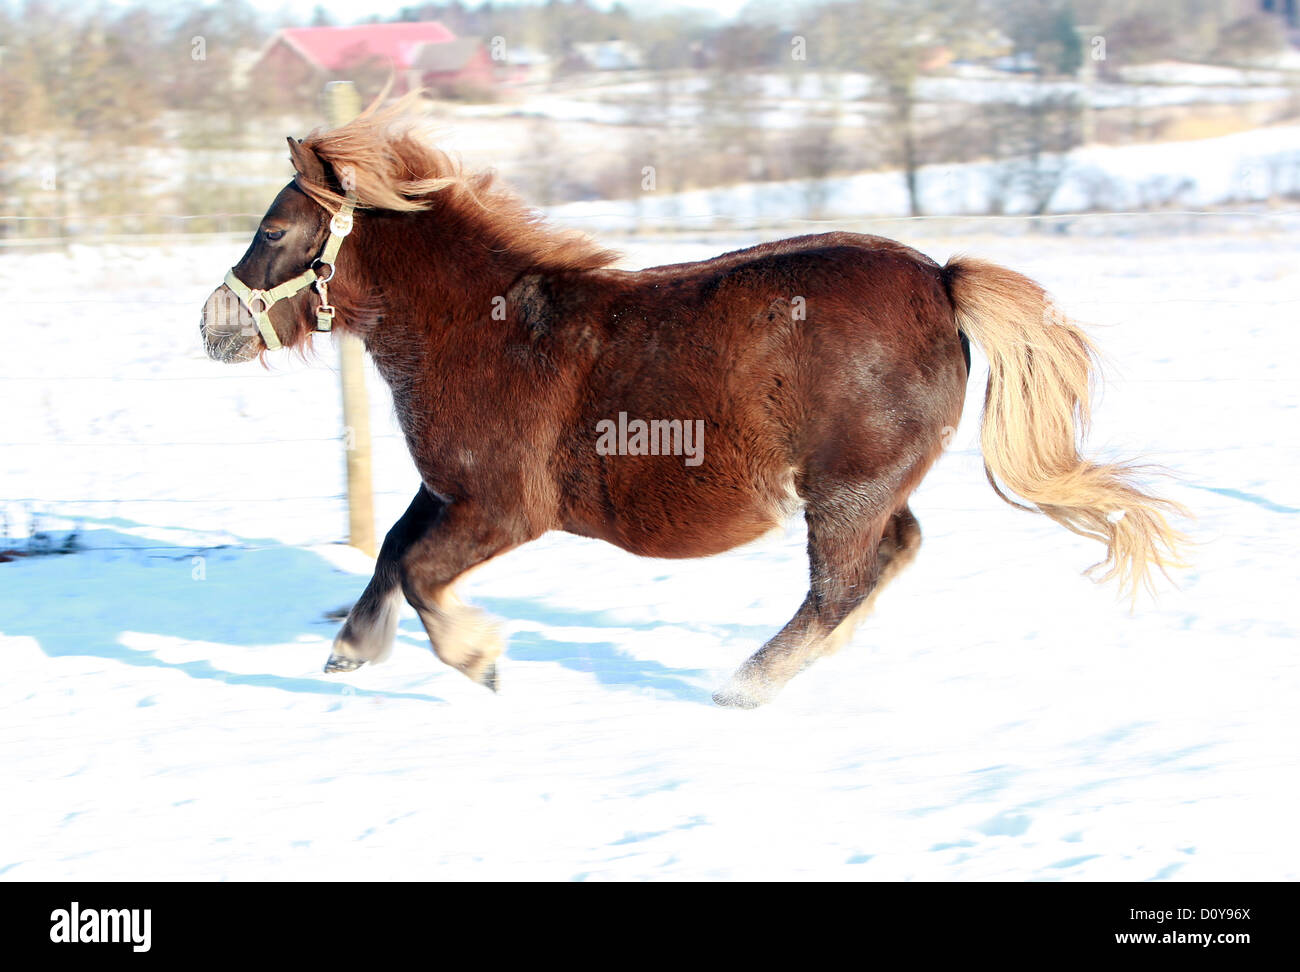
{"x": 342, "y": 104}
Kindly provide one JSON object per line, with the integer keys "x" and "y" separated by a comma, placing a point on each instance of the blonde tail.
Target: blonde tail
{"x": 1036, "y": 412}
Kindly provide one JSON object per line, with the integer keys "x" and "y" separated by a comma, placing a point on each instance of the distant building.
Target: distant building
{"x": 461, "y": 61}
{"x": 525, "y": 65}
{"x": 611, "y": 55}
{"x": 417, "y": 54}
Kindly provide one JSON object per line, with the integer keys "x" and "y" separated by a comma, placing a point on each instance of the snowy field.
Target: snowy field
{"x": 164, "y": 715}
{"x": 1244, "y": 168}
{"x": 782, "y": 100}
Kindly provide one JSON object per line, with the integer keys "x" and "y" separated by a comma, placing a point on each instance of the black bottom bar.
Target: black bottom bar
{"x": 146, "y": 922}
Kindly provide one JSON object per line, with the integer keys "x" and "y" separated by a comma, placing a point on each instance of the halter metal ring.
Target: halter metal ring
{"x": 258, "y": 295}
{"x": 320, "y": 279}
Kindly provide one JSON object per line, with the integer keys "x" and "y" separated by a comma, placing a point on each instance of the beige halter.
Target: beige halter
{"x": 340, "y": 227}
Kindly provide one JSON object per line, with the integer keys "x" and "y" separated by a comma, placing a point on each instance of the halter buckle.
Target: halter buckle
{"x": 324, "y": 317}
{"x": 325, "y": 310}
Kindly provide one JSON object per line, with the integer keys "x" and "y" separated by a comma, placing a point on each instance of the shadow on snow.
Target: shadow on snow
{"x": 81, "y": 604}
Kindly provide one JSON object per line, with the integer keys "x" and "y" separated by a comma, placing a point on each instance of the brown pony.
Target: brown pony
{"x": 677, "y": 411}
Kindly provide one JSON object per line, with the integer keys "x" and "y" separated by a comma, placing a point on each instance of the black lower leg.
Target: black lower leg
{"x": 367, "y": 634}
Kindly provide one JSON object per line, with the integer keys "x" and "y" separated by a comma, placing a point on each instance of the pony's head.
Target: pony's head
{"x": 382, "y": 160}
{"x": 379, "y": 160}
{"x": 288, "y": 244}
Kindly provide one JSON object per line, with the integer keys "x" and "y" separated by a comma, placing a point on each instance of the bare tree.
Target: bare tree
{"x": 896, "y": 41}
{"x": 814, "y": 158}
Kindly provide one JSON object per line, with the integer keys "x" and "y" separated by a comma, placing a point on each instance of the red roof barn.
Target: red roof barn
{"x": 310, "y": 54}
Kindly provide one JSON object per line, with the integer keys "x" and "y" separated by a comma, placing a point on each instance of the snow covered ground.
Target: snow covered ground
{"x": 163, "y": 714}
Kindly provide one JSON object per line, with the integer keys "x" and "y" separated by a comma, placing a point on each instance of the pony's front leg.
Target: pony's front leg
{"x": 462, "y": 636}
{"x": 367, "y": 634}
{"x": 467, "y": 535}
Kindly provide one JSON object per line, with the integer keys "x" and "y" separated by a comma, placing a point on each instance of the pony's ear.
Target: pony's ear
{"x": 306, "y": 162}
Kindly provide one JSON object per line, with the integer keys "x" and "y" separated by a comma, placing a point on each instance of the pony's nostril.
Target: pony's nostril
{"x": 222, "y": 310}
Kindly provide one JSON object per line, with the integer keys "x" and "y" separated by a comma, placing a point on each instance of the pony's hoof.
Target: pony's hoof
{"x": 735, "y": 697}
{"x": 337, "y": 663}
{"x": 489, "y": 677}
{"x": 734, "y": 700}
{"x": 744, "y": 691}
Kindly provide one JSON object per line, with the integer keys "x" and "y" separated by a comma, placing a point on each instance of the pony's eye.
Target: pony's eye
{"x": 273, "y": 235}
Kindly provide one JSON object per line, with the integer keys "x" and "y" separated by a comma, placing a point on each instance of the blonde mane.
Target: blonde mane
{"x": 385, "y": 156}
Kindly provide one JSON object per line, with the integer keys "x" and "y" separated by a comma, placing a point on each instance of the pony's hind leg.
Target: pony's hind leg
{"x": 367, "y": 634}
{"x": 844, "y": 555}
{"x": 898, "y": 548}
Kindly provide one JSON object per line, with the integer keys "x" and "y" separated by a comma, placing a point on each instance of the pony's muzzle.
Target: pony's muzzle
{"x": 229, "y": 331}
